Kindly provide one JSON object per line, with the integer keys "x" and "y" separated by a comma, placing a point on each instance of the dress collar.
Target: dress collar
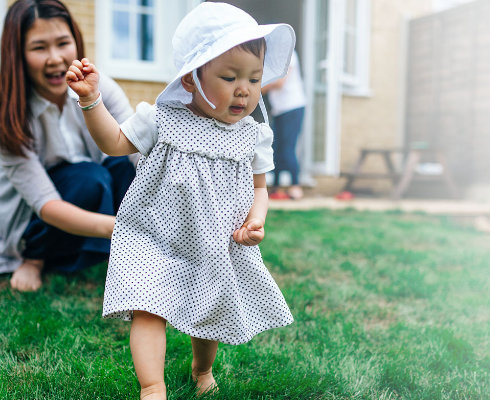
{"x": 219, "y": 124}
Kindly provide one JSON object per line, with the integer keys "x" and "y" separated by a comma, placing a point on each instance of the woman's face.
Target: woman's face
{"x": 49, "y": 50}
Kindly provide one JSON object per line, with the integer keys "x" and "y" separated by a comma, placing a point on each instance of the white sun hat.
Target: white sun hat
{"x": 210, "y": 30}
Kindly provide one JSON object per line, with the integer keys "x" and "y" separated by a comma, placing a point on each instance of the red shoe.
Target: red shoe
{"x": 279, "y": 196}
{"x": 344, "y": 196}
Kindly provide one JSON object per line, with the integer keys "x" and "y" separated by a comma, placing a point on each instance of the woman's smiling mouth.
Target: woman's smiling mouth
{"x": 56, "y": 78}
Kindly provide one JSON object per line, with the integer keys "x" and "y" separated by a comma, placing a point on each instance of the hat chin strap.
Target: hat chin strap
{"x": 263, "y": 109}
{"x": 199, "y": 88}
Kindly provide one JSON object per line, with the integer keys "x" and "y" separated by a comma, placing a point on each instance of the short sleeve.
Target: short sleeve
{"x": 263, "y": 158}
{"x": 141, "y": 128}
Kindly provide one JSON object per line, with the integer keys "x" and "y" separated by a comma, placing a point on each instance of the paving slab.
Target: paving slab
{"x": 440, "y": 207}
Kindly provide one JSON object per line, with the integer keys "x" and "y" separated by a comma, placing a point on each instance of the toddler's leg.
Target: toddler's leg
{"x": 148, "y": 345}
{"x": 204, "y": 353}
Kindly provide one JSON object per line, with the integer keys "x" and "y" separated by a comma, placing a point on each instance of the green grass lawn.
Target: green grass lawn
{"x": 386, "y": 306}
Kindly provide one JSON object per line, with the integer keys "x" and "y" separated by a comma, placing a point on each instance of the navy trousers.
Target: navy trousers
{"x": 93, "y": 187}
{"x": 287, "y": 128}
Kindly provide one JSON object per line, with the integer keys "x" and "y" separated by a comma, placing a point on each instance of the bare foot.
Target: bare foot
{"x": 204, "y": 381}
{"x": 27, "y": 278}
{"x": 154, "y": 392}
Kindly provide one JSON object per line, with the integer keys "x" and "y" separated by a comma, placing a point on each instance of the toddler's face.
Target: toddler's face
{"x": 232, "y": 82}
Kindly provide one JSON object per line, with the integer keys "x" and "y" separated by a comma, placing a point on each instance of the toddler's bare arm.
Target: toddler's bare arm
{"x": 252, "y": 231}
{"x": 83, "y": 78}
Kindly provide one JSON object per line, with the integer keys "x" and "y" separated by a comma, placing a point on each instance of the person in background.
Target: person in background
{"x": 58, "y": 191}
{"x": 287, "y": 99}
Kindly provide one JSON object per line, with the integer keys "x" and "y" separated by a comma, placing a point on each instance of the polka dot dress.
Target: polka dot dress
{"x": 172, "y": 251}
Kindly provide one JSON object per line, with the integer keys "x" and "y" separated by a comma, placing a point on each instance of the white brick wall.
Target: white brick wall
{"x": 448, "y": 99}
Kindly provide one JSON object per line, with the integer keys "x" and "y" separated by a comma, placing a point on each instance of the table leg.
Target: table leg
{"x": 355, "y": 171}
{"x": 413, "y": 159}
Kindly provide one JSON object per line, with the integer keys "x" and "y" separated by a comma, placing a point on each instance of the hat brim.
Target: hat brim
{"x": 280, "y": 40}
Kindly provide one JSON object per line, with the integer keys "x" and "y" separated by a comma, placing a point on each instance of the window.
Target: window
{"x": 355, "y": 77}
{"x": 355, "y": 33}
{"x": 3, "y": 11}
{"x": 134, "y": 37}
{"x": 336, "y": 60}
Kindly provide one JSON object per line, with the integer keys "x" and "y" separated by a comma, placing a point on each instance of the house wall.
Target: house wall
{"x": 84, "y": 14}
{"x": 449, "y": 96}
{"x": 377, "y": 121}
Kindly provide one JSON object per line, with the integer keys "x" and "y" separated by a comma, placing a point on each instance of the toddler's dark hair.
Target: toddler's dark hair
{"x": 256, "y": 46}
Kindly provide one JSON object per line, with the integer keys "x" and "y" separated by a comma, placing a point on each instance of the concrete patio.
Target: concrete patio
{"x": 475, "y": 213}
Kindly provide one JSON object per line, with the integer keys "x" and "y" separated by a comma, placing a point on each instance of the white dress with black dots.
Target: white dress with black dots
{"x": 172, "y": 251}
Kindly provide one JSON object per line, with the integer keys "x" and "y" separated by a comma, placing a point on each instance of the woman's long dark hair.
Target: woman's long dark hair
{"x": 15, "y": 86}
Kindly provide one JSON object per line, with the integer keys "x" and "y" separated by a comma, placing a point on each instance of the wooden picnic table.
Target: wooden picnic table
{"x": 401, "y": 178}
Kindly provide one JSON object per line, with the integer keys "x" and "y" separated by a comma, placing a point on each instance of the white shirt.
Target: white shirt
{"x": 64, "y": 141}
{"x": 291, "y": 95}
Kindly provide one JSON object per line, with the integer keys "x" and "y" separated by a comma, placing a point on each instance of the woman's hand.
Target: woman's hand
{"x": 83, "y": 78}
{"x": 251, "y": 233}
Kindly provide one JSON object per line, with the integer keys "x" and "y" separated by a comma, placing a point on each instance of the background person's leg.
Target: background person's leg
{"x": 276, "y": 192}
{"x": 277, "y": 147}
{"x": 288, "y": 126}
{"x": 122, "y": 171}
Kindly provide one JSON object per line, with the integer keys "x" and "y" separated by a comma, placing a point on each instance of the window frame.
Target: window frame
{"x": 357, "y": 83}
{"x": 3, "y": 12}
{"x": 322, "y": 140}
{"x": 166, "y": 16}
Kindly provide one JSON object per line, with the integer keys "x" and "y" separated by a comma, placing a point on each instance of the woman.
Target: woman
{"x": 287, "y": 99}
{"x": 58, "y": 192}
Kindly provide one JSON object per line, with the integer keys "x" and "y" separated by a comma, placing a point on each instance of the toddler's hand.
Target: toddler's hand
{"x": 251, "y": 233}
{"x": 83, "y": 78}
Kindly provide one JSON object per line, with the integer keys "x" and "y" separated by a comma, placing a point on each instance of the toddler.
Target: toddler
{"x": 184, "y": 248}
